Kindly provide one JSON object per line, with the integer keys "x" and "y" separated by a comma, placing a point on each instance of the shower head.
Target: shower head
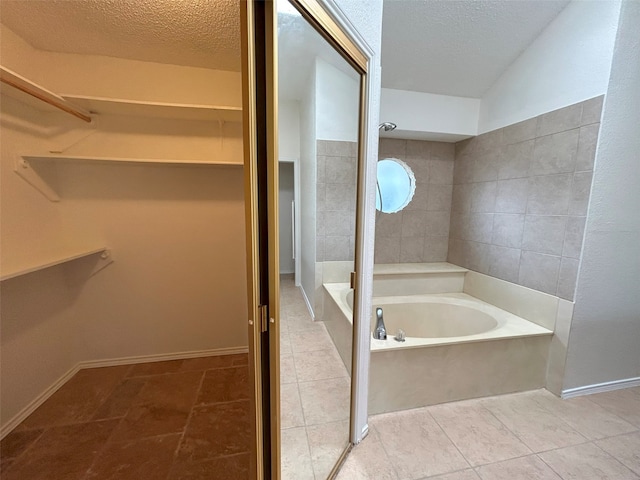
{"x": 387, "y": 126}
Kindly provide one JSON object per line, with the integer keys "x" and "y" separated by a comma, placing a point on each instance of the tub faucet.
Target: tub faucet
{"x": 381, "y": 331}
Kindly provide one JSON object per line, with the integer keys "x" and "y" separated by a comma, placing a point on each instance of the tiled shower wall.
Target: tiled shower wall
{"x": 420, "y": 232}
{"x": 520, "y": 198}
{"x": 336, "y": 200}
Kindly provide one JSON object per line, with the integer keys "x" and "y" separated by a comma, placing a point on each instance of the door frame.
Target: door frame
{"x": 296, "y": 227}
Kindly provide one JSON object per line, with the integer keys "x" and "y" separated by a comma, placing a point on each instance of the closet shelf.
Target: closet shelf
{"x": 180, "y": 111}
{"x": 122, "y": 160}
{"x": 64, "y": 257}
{"x": 26, "y": 91}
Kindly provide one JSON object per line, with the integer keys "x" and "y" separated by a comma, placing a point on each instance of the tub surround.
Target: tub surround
{"x": 521, "y": 353}
{"x": 420, "y": 232}
{"x": 520, "y": 198}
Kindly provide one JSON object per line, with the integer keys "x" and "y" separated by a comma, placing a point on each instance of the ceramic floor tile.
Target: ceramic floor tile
{"x": 63, "y": 453}
{"x": 78, "y": 399}
{"x": 311, "y": 339}
{"x": 524, "y": 468}
{"x": 326, "y": 443}
{"x": 477, "y": 433}
{"x": 296, "y": 459}
{"x": 319, "y": 365}
{"x": 233, "y": 467}
{"x": 285, "y": 345}
{"x": 162, "y": 406}
{"x": 415, "y": 444}
{"x": 367, "y": 461}
{"x": 287, "y": 369}
{"x": 586, "y": 462}
{"x": 296, "y": 323}
{"x": 155, "y": 368}
{"x": 139, "y": 459}
{"x": 585, "y": 416}
{"x": 535, "y": 426}
{"x": 297, "y": 308}
{"x": 216, "y": 430}
{"x": 325, "y": 401}
{"x": 625, "y": 448}
{"x": 224, "y": 385}
{"x": 16, "y": 443}
{"x": 215, "y": 361}
{"x": 290, "y": 406}
{"x": 461, "y": 475}
{"x": 624, "y": 403}
{"x": 118, "y": 403}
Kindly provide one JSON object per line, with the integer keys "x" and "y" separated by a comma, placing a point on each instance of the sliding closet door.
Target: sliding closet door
{"x": 332, "y": 51}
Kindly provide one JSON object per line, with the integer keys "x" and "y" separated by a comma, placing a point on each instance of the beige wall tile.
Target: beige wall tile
{"x": 507, "y": 230}
{"x": 587, "y": 147}
{"x": 549, "y": 194}
{"x": 592, "y": 110}
{"x": 555, "y": 153}
{"x": 559, "y": 120}
{"x": 544, "y": 234}
{"x": 512, "y": 196}
{"x": 539, "y": 271}
{"x": 519, "y": 132}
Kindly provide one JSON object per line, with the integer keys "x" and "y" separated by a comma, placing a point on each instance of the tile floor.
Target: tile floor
{"x": 531, "y": 435}
{"x": 174, "y": 420}
{"x": 315, "y": 391}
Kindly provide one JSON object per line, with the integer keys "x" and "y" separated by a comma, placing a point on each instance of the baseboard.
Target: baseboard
{"x": 307, "y": 302}
{"x": 36, "y": 402}
{"x": 601, "y": 387}
{"x": 112, "y": 362}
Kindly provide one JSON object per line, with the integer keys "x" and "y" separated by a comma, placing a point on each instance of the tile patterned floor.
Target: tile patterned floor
{"x": 315, "y": 389}
{"x": 174, "y": 420}
{"x": 531, "y": 435}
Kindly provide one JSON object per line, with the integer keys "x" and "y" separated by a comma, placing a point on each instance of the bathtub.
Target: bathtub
{"x": 457, "y": 347}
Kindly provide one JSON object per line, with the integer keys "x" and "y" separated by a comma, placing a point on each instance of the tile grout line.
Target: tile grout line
{"x": 448, "y": 438}
{"x": 186, "y": 425}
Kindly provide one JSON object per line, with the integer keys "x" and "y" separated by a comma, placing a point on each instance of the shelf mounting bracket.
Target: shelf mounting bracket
{"x": 25, "y": 171}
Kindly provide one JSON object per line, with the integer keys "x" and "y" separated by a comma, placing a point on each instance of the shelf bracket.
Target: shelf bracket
{"x": 24, "y": 170}
{"x": 105, "y": 259}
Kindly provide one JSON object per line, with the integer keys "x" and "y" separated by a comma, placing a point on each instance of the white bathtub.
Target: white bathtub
{"x": 457, "y": 347}
{"x": 437, "y": 319}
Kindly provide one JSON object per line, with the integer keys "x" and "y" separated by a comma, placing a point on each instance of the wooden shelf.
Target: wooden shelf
{"x": 62, "y": 257}
{"x": 121, "y": 160}
{"x": 30, "y": 93}
{"x": 116, "y": 106}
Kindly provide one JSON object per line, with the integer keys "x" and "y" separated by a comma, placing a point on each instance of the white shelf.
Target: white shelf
{"x": 63, "y": 257}
{"x": 118, "y": 106}
{"x": 123, "y": 160}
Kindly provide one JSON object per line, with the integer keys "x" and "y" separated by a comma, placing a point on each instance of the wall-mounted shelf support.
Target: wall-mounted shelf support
{"x": 24, "y": 85}
{"x": 24, "y": 169}
{"x": 103, "y": 254}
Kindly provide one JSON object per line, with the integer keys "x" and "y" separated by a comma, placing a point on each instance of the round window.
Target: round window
{"x": 396, "y": 185}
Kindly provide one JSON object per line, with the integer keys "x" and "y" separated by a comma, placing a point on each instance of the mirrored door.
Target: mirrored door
{"x": 306, "y": 82}
{"x": 318, "y": 104}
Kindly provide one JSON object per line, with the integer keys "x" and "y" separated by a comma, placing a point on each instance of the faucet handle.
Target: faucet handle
{"x": 400, "y": 336}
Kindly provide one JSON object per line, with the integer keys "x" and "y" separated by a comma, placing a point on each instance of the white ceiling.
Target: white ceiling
{"x": 198, "y": 33}
{"x": 457, "y": 47}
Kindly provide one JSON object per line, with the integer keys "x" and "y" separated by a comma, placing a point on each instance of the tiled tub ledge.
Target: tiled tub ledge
{"x": 518, "y": 352}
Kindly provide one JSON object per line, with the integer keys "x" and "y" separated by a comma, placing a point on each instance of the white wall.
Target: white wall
{"x": 568, "y": 63}
{"x": 426, "y": 116}
{"x": 605, "y": 332}
{"x": 308, "y": 177}
{"x": 337, "y": 103}
{"x": 289, "y": 129}
{"x": 285, "y": 197}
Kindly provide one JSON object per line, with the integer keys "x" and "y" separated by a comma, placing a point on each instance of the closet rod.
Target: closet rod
{"x": 42, "y": 94}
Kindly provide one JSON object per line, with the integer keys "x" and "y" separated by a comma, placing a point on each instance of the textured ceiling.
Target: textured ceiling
{"x": 457, "y": 47}
{"x": 199, "y": 33}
